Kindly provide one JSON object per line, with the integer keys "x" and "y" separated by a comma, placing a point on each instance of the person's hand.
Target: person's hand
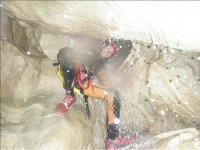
{"x": 107, "y": 52}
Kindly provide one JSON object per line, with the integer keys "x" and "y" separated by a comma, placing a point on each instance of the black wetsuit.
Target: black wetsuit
{"x": 68, "y": 62}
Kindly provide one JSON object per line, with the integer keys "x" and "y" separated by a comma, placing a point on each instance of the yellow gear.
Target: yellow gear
{"x": 59, "y": 73}
{"x": 77, "y": 91}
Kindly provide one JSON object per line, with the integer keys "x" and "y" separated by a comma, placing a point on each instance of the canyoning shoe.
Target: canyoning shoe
{"x": 126, "y": 140}
{"x": 63, "y": 107}
{"x": 120, "y": 142}
{"x": 111, "y": 144}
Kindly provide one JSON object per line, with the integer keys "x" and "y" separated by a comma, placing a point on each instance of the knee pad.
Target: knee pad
{"x": 113, "y": 131}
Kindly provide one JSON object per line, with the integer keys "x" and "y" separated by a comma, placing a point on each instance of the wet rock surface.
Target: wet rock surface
{"x": 160, "y": 91}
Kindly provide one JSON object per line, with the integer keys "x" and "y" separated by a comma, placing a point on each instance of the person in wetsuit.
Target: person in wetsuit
{"x": 77, "y": 71}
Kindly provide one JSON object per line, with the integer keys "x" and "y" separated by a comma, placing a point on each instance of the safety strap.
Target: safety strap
{"x": 80, "y": 76}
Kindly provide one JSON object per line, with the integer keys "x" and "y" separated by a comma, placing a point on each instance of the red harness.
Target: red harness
{"x": 80, "y": 76}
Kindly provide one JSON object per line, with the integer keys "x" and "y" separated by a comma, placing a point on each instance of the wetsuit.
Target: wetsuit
{"x": 68, "y": 69}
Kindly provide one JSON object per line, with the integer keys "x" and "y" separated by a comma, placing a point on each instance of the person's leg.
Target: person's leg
{"x": 113, "y": 120}
{"x": 113, "y": 108}
{"x": 114, "y": 139}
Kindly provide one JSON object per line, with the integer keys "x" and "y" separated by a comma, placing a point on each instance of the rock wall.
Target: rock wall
{"x": 160, "y": 90}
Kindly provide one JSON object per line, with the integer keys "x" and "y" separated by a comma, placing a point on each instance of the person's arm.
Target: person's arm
{"x": 115, "y": 51}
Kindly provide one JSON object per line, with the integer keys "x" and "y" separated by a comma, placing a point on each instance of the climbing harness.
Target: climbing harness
{"x": 80, "y": 76}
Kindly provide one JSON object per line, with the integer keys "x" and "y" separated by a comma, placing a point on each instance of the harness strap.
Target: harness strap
{"x": 80, "y": 76}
